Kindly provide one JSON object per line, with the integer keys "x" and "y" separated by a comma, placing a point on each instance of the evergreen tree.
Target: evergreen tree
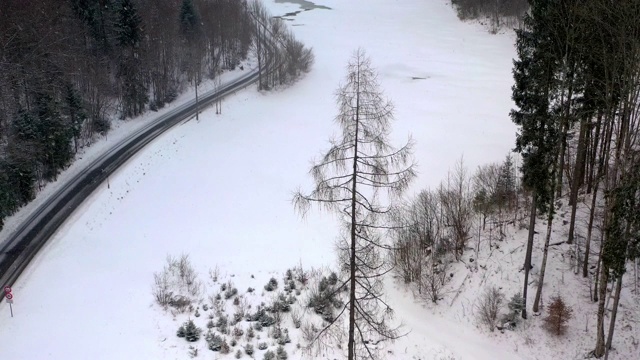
{"x": 188, "y": 18}
{"x": 133, "y": 82}
{"x": 536, "y": 140}
{"x": 128, "y": 27}
{"x": 54, "y": 137}
{"x": 506, "y": 186}
{"x": 75, "y": 113}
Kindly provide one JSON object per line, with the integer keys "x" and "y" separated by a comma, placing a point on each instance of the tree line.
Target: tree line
{"x": 68, "y": 67}
{"x": 500, "y": 13}
{"x": 576, "y": 91}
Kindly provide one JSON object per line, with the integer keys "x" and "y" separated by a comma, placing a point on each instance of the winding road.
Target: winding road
{"x": 20, "y": 247}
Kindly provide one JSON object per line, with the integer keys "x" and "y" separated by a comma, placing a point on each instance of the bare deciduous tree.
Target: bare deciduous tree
{"x": 358, "y": 178}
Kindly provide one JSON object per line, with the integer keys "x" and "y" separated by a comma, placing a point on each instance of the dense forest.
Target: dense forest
{"x": 499, "y": 13}
{"x": 68, "y": 67}
{"x": 576, "y": 94}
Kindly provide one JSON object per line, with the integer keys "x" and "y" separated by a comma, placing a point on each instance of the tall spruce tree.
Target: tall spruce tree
{"x": 536, "y": 140}
{"x": 133, "y": 83}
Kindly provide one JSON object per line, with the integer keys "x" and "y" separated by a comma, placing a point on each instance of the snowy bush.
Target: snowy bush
{"x": 237, "y": 332}
{"x": 181, "y": 332}
{"x": 224, "y": 348}
{"x": 271, "y": 285}
{"x": 489, "y": 306}
{"x": 180, "y": 303}
{"x": 269, "y": 355}
{"x": 189, "y": 331}
{"x": 262, "y": 346}
{"x": 230, "y": 292}
{"x": 248, "y": 349}
{"x": 161, "y": 288}
{"x": 281, "y": 353}
{"x": 238, "y": 354}
{"x": 516, "y": 304}
{"x": 323, "y": 299}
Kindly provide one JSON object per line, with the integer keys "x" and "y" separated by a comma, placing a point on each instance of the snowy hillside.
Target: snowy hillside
{"x": 219, "y": 190}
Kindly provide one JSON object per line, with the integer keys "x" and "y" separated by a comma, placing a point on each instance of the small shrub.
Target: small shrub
{"x": 224, "y": 348}
{"x": 236, "y": 300}
{"x": 237, "y": 332}
{"x": 180, "y": 303}
{"x": 516, "y": 304}
{"x": 281, "y": 353}
{"x": 250, "y": 290}
{"x": 269, "y": 355}
{"x": 191, "y": 331}
{"x": 238, "y": 354}
{"x": 258, "y": 326}
{"x": 181, "y": 331}
{"x": 271, "y": 285}
{"x": 193, "y": 352}
{"x": 489, "y": 307}
{"x": 237, "y": 316}
{"x": 262, "y": 346}
{"x": 233, "y": 342}
{"x": 296, "y": 317}
{"x": 215, "y": 342}
{"x": 250, "y": 333}
{"x": 210, "y": 324}
{"x": 248, "y": 349}
{"x": 284, "y": 338}
{"x": 223, "y": 287}
{"x": 231, "y": 292}
{"x": 205, "y": 307}
{"x": 559, "y": 315}
{"x": 197, "y": 313}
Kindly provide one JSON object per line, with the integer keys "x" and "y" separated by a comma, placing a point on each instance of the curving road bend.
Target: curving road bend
{"x": 23, "y": 244}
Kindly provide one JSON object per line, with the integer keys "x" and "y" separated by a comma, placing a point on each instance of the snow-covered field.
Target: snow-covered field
{"x": 220, "y": 189}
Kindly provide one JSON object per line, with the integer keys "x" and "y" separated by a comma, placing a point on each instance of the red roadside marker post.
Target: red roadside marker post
{"x": 9, "y": 296}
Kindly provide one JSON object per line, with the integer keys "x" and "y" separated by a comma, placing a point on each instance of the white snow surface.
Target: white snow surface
{"x": 220, "y": 189}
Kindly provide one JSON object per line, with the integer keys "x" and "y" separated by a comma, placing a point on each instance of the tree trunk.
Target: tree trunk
{"x": 352, "y": 260}
{"x": 614, "y": 312}
{"x": 578, "y": 175}
{"x": 536, "y": 302}
{"x": 600, "y": 344}
{"x": 563, "y": 147}
{"x": 527, "y": 257}
{"x": 585, "y": 263}
{"x": 593, "y": 153}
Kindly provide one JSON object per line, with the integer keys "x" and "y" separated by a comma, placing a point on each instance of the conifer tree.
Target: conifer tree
{"x": 132, "y": 77}
{"x": 349, "y": 180}
{"x": 536, "y": 140}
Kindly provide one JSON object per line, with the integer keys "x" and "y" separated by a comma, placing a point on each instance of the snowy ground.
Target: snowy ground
{"x": 220, "y": 190}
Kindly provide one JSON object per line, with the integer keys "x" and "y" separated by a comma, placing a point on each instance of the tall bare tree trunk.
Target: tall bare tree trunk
{"x": 578, "y": 177}
{"x": 543, "y": 266}
{"x": 614, "y": 313}
{"x": 352, "y": 260}
{"x": 527, "y": 257}
{"x": 602, "y": 292}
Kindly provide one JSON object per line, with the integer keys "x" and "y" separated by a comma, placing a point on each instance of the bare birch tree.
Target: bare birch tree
{"x": 359, "y": 178}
